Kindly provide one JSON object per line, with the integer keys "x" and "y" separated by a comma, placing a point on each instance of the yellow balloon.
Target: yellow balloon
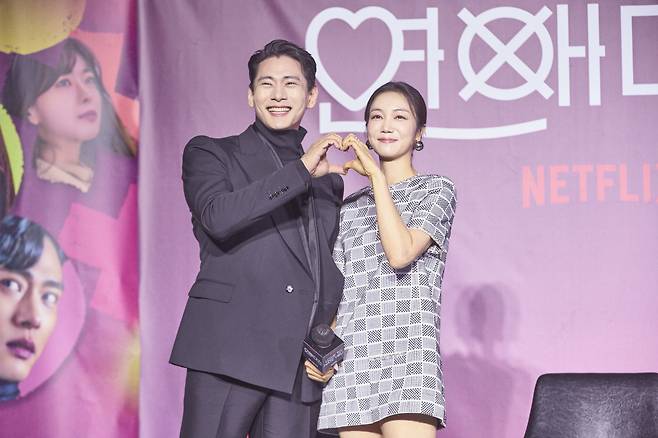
{"x": 13, "y": 147}
{"x": 28, "y": 26}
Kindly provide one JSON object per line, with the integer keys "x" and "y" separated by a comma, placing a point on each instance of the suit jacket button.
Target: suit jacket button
{"x": 290, "y": 289}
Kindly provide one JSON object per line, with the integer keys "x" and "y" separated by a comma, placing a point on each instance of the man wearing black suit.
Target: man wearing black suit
{"x": 265, "y": 215}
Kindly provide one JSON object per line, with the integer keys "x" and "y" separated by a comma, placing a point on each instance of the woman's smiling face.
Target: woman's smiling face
{"x": 392, "y": 127}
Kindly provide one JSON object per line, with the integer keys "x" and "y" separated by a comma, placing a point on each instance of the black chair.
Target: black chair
{"x": 594, "y": 406}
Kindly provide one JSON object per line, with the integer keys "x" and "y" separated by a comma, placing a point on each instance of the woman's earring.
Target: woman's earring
{"x": 368, "y": 144}
{"x": 419, "y": 145}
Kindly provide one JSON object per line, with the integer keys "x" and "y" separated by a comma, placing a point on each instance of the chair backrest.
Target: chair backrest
{"x": 594, "y": 406}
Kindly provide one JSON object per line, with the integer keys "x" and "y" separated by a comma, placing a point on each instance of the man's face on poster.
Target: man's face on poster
{"x": 280, "y": 94}
{"x": 28, "y": 312}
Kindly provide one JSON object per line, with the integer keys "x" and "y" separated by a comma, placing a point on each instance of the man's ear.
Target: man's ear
{"x": 312, "y": 97}
{"x": 31, "y": 116}
{"x": 250, "y": 97}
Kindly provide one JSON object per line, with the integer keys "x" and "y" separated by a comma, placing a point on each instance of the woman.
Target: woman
{"x": 71, "y": 110}
{"x": 391, "y": 247}
{"x": 81, "y": 153}
{"x": 30, "y": 289}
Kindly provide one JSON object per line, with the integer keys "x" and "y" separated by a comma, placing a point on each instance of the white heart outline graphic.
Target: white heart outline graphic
{"x": 354, "y": 19}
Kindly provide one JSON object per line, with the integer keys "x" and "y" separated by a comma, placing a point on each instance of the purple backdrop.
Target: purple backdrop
{"x": 543, "y": 113}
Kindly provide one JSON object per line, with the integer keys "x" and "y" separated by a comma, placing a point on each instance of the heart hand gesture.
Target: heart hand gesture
{"x": 315, "y": 158}
{"x": 364, "y": 164}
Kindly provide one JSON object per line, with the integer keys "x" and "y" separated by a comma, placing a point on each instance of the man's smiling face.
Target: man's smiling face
{"x": 280, "y": 94}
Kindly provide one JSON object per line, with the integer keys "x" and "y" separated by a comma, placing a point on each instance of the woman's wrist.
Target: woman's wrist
{"x": 378, "y": 178}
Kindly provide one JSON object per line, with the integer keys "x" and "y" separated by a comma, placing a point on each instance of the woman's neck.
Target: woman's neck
{"x": 397, "y": 170}
{"x": 61, "y": 153}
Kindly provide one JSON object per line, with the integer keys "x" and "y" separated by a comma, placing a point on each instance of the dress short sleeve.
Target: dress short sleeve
{"x": 436, "y": 210}
{"x": 338, "y": 251}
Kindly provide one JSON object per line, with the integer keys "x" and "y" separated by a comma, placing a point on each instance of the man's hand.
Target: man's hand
{"x": 315, "y": 158}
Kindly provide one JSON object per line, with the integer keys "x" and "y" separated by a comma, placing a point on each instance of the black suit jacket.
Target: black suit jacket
{"x": 259, "y": 290}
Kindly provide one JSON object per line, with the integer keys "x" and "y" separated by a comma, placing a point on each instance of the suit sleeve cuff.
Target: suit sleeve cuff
{"x": 303, "y": 172}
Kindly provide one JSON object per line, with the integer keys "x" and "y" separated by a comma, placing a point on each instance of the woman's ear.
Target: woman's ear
{"x": 420, "y": 133}
{"x": 32, "y": 116}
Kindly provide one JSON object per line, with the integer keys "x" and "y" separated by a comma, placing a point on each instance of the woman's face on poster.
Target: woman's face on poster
{"x": 28, "y": 312}
{"x": 70, "y": 110}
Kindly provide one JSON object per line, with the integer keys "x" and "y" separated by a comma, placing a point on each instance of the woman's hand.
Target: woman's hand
{"x": 364, "y": 163}
{"x": 315, "y": 374}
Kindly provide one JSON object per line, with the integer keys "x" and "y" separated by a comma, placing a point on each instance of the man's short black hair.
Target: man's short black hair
{"x": 21, "y": 243}
{"x": 277, "y": 48}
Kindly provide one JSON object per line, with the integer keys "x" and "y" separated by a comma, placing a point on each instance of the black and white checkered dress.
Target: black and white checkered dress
{"x": 389, "y": 319}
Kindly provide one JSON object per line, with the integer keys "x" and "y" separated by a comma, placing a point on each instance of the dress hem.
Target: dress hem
{"x": 440, "y": 416}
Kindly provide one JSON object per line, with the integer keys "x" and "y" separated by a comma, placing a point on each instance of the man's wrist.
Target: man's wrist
{"x": 304, "y": 174}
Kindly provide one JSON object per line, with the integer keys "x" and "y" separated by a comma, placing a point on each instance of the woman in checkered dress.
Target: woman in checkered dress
{"x": 391, "y": 247}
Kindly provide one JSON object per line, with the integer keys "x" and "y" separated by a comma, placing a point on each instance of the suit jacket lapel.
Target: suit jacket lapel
{"x": 257, "y": 161}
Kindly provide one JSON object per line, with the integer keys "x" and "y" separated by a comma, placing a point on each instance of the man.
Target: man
{"x": 30, "y": 289}
{"x": 266, "y": 217}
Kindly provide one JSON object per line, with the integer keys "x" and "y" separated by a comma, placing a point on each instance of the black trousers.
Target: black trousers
{"x": 219, "y": 407}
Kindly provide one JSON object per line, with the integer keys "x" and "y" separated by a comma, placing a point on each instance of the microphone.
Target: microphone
{"x": 323, "y": 348}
